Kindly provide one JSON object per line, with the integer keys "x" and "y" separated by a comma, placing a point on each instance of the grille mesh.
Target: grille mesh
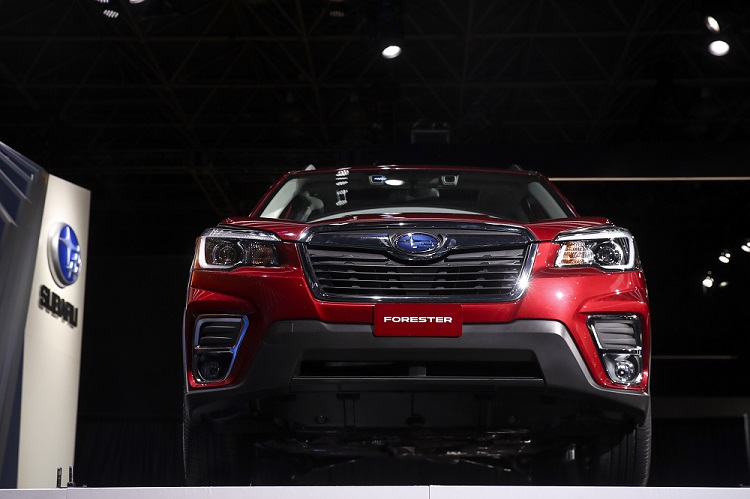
{"x": 355, "y": 273}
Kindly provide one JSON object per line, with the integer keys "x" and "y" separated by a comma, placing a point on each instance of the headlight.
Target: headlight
{"x": 610, "y": 248}
{"x": 228, "y": 248}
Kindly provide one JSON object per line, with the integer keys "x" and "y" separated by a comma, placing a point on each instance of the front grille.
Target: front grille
{"x": 363, "y": 273}
{"x": 345, "y": 268}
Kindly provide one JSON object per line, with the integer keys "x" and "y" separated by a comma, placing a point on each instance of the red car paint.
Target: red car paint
{"x": 566, "y": 295}
{"x": 281, "y": 293}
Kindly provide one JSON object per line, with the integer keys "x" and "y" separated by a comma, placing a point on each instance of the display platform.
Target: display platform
{"x": 415, "y": 492}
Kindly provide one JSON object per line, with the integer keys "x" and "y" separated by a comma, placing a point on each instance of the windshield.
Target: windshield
{"x": 317, "y": 196}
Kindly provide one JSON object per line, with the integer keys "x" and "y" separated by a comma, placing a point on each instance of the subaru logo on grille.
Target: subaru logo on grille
{"x": 416, "y": 243}
{"x": 64, "y": 254}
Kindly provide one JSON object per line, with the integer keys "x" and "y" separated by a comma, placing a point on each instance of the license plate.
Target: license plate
{"x": 418, "y": 319}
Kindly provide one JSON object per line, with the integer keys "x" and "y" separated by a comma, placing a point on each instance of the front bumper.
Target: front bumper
{"x": 536, "y": 358}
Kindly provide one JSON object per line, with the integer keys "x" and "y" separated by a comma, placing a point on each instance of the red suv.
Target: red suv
{"x": 456, "y": 314}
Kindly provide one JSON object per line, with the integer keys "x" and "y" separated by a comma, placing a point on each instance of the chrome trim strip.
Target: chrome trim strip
{"x": 421, "y": 225}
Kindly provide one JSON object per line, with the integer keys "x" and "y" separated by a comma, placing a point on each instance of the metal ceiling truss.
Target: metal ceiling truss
{"x": 265, "y": 83}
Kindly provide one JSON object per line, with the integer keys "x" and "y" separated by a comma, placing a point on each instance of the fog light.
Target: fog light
{"x": 210, "y": 370}
{"x": 624, "y": 369}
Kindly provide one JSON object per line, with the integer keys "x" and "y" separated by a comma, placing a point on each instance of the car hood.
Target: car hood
{"x": 290, "y": 231}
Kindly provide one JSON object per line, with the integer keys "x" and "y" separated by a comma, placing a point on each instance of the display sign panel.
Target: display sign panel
{"x": 52, "y": 338}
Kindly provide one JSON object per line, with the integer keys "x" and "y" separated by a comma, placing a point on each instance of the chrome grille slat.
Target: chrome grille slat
{"x": 413, "y": 284}
{"x": 393, "y": 271}
{"x": 433, "y": 284}
{"x": 378, "y": 269}
{"x": 411, "y": 276}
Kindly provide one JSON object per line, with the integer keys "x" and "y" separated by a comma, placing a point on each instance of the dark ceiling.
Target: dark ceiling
{"x": 221, "y": 95}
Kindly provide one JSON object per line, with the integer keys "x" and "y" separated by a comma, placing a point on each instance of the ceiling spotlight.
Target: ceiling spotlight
{"x": 390, "y": 27}
{"x": 708, "y": 281}
{"x": 718, "y": 48}
{"x": 746, "y": 246}
{"x": 391, "y": 51}
{"x": 712, "y": 24}
{"x": 112, "y": 14}
{"x": 336, "y": 9}
{"x": 725, "y": 256}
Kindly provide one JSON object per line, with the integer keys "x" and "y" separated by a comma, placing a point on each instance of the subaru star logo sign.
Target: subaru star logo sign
{"x": 416, "y": 243}
{"x": 64, "y": 254}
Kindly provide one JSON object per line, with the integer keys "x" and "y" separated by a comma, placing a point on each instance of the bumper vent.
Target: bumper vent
{"x": 214, "y": 346}
{"x": 619, "y": 333}
{"x": 218, "y": 332}
{"x": 361, "y": 265}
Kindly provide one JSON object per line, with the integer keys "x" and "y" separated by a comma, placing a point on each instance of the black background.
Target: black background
{"x": 131, "y": 378}
{"x": 177, "y": 113}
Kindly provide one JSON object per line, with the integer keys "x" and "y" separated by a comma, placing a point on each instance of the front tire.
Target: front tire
{"x": 212, "y": 457}
{"x": 620, "y": 458}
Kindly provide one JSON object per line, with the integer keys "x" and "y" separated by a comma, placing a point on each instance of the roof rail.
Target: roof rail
{"x": 518, "y": 168}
